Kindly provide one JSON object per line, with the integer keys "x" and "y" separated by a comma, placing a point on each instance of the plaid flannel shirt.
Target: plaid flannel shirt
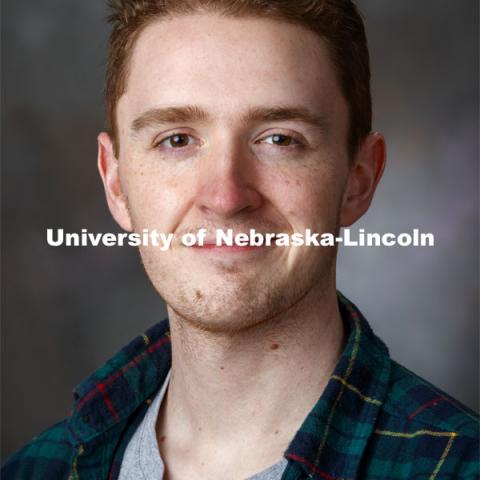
{"x": 375, "y": 419}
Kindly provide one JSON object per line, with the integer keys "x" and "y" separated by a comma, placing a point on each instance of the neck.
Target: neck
{"x": 246, "y": 385}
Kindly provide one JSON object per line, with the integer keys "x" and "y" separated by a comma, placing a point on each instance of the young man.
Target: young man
{"x": 247, "y": 114}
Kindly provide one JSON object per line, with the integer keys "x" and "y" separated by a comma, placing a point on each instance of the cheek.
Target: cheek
{"x": 155, "y": 198}
{"x": 308, "y": 197}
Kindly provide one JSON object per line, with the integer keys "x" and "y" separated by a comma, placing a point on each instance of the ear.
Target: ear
{"x": 109, "y": 172}
{"x": 363, "y": 179}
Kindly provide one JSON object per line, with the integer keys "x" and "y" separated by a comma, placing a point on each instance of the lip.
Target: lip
{"x": 213, "y": 248}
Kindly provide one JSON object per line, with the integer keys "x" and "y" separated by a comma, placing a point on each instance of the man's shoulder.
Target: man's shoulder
{"x": 426, "y": 428}
{"x": 106, "y": 398}
{"x": 49, "y": 455}
{"x": 411, "y": 398}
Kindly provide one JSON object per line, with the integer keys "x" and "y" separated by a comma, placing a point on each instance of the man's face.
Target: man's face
{"x": 232, "y": 123}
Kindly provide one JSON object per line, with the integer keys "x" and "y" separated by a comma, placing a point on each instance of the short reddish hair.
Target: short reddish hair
{"x": 337, "y": 22}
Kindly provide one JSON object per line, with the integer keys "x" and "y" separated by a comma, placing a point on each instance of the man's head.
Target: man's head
{"x": 337, "y": 22}
{"x": 238, "y": 118}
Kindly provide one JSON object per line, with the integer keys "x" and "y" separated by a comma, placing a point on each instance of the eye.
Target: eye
{"x": 177, "y": 140}
{"x": 280, "y": 140}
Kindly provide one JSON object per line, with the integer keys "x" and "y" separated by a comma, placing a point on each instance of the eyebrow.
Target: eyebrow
{"x": 276, "y": 114}
{"x": 193, "y": 113}
{"x": 155, "y": 116}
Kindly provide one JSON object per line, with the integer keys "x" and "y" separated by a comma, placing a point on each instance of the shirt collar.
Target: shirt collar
{"x": 113, "y": 393}
{"x": 330, "y": 442}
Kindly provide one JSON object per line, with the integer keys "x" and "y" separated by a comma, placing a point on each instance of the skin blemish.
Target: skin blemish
{"x": 162, "y": 438}
{"x": 276, "y": 432}
{"x": 198, "y": 294}
{"x": 274, "y": 346}
{"x": 222, "y": 368}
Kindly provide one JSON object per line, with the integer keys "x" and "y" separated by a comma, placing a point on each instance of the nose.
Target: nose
{"x": 227, "y": 183}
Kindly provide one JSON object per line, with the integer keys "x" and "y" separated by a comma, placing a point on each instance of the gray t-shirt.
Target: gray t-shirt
{"x": 142, "y": 459}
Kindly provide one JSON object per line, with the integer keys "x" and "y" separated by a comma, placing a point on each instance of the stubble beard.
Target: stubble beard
{"x": 239, "y": 302}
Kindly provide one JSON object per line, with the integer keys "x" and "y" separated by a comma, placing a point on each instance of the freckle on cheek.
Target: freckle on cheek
{"x": 274, "y": 346}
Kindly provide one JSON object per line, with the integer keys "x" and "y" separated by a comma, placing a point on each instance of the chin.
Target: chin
{"x": 230, "y": 308}
{"x": 226, "y": 325}
{"x": 236, "y": 299}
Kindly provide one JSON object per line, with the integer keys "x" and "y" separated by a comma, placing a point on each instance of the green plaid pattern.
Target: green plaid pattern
{"x": 375, "y": 419}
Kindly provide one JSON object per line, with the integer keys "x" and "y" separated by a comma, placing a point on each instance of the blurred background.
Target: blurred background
{"x": 65, "y": 311}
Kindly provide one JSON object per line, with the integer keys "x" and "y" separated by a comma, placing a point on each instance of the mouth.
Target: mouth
{"x": 212, "y": 247}
{"x": 238, "y": 242}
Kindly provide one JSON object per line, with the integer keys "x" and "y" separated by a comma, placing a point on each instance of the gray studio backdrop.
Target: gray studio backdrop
{"x": 66, "y": 310}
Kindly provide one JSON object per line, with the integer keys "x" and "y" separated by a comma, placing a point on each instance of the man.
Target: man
{"x": 247, "y": 114}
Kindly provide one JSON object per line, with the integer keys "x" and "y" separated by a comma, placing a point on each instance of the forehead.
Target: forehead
{"x": 226, "y": 65}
